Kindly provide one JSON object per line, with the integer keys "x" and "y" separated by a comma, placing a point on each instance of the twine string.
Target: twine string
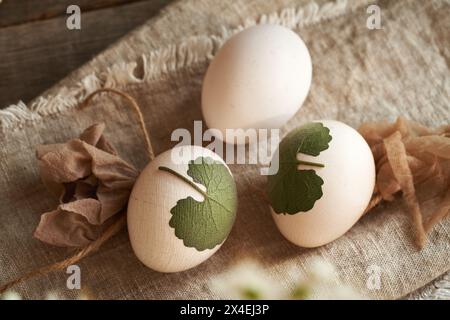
{"x": 109, "y": 232}
{"x": 93, "y": 246}
{"x": 134, "y": 105}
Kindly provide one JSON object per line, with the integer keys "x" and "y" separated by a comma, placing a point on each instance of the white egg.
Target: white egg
{"x": 348, "y": 183}
{"x": 155, "y": 194}
{"x": 258, "y": 79}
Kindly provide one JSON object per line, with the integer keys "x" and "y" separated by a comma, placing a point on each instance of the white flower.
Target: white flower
{"x": 322, "y": 282}
{"x": 52, "y": 296}
{"x": 11, "y": 295}
{"x": 246, "y": 280}
{"x": 321, "y": 271}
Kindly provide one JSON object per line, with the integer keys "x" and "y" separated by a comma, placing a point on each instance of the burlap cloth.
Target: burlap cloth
{"x": 359, "y": 75}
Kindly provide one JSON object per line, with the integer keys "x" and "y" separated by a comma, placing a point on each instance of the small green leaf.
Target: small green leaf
{"x": 204, "y": 225}
{"x": 291, "y": 190}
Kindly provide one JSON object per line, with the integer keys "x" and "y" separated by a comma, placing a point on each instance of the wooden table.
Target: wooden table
{"x": 37, "y": 49}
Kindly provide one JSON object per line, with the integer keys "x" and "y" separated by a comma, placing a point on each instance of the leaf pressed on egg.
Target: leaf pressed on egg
{"x": 205, "y": 224}
{"x": 291, "y": 190}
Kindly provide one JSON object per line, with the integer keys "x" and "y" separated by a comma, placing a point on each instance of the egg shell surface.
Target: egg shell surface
{"x": 258, "y": 79}
{"x": 153, "y": 196}
{"x": 349, "y": 180}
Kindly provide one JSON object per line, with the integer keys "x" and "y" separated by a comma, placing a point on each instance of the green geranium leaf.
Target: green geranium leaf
{"x": 204, "y": 225}
{"x": 291, "y": 190}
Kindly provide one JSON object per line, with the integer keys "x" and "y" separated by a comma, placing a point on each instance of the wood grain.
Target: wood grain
{"x": 34, "y": 56}
{"x": 13, "y": 12}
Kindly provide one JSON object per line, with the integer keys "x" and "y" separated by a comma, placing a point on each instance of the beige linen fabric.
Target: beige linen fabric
{"x": 358, "y": 75}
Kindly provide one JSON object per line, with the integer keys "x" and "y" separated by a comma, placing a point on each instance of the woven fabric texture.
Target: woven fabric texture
{"x": 358, "y": 75}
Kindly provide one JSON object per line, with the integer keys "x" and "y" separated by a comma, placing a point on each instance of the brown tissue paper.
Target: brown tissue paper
{"x": 415, "y": 160}
{"x": 92, "y": 182}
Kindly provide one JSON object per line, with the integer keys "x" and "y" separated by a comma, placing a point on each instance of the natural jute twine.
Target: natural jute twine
{"x": 121, "y": 217}
{"x": 114, "y": 228}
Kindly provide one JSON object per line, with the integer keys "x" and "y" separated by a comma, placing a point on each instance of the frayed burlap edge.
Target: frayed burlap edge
{"x": 176, "y": 57}
{"x": 169, "y": 59}
{"x": 438, "y": 290}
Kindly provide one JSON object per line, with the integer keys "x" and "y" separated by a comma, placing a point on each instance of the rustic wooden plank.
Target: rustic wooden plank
{"x": 36, "y": 55}
{"x": 13, "y": 12}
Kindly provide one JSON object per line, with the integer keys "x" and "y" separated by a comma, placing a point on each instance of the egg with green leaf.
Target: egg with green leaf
{"x": 181, "y": 209}
{"x": 324, "y": 182}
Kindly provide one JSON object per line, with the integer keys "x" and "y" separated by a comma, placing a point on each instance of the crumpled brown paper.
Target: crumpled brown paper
{"x": 415, "y": 160}
{"x": 92, "y": 182}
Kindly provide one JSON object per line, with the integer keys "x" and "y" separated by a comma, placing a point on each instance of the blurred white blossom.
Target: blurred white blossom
{"x": 321, "y": 270}
{"x": 11, "y": 295}
{"x": 322, "y": 282}
{"x": 52, "y": 295}
{"x": 248, "y": 280}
